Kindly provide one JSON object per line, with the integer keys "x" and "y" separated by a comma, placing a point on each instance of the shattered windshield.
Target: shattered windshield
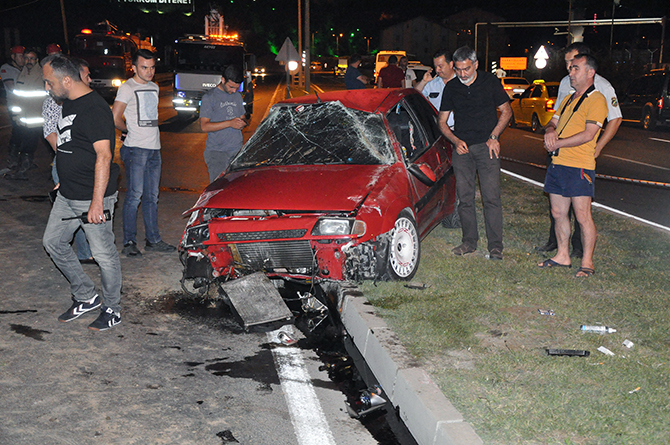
{"x": 322, "y": 133}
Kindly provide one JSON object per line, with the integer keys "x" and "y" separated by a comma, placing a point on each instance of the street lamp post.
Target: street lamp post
{"x": 367, "y": 39}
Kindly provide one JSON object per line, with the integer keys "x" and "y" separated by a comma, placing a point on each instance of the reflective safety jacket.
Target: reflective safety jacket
{"x": 25, "y": 102}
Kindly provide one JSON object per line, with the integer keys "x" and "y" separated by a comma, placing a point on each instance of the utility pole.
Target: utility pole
{"x": 308, "y": 50}
{"x": 62, "y": 13}
{"x": 301, "y": 69}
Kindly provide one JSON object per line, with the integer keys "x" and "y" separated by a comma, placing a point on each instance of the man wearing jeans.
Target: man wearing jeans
{"x": 474, "y": 100}
{"x": 87, "y": 192}
{"x": 137, "y": 102}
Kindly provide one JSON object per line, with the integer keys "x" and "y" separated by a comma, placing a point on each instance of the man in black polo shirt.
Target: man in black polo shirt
{"x": 477, "y": 127}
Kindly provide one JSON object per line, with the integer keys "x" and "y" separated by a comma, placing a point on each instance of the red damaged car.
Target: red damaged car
{"x": 340, "y": 186}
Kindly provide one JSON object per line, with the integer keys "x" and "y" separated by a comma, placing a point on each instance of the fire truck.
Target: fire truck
{"x": 199, "y": 61}
{"x": 109, "y": 53}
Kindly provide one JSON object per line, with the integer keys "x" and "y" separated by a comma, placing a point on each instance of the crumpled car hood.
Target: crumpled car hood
{"x": 301, "y": 188}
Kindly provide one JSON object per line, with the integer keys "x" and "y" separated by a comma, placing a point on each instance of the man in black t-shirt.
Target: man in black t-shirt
{"x": 474, "y": 100}
{"x": 85, "y": 146}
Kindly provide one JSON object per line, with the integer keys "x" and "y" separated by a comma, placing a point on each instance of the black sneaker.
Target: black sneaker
{"x": 106, "y": 320}
{"x": 160, "y": 246}
{"x": 79, "y": 308}
{"x": 130, "y": 249}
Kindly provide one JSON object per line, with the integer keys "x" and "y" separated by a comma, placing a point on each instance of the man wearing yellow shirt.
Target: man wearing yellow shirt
{"x": 571, "y": 137}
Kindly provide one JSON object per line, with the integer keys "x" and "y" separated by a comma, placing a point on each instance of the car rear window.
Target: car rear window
{"x": 317, "y": 134}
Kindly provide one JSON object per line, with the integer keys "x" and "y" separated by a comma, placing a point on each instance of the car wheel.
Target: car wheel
{"x": 405, "y": 250}
{"x": 535, "y": 123}
{"x": 512, "y": 122}
{"x": 648, "y": 120}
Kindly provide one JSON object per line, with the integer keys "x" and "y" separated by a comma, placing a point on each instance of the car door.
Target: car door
{"x": 424, "y": 148}
{"x": 525, "y": 107}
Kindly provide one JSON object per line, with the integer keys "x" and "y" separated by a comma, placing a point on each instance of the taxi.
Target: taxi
{"x": 535, "y": 106}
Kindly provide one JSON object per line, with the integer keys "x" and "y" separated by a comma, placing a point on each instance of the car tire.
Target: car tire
{"x": 648, "y": 119}
{"x": 512, "y": 122}
{"x": 404, "y": 249}
{"x": 535, "y": 123}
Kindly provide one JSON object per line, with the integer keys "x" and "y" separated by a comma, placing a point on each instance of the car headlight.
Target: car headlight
{"x": 197, "y": 235}
{"x": 116, "y": 82}
{"x": 338, "y": 226}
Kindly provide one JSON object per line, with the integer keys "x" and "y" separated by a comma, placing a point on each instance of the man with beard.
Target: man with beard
{"x": 474, "y": 101}
{"x": 86, "y": 195}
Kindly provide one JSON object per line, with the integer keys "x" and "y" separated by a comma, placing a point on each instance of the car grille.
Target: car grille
{"x": 276, "y": 254}
{"x": 257, "y": 236}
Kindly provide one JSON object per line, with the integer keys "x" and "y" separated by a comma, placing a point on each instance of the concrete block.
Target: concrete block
{"x": 460, "y": 433}
{"x": 423, "y": 407}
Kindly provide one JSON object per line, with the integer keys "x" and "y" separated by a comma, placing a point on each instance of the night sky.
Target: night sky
{"x": 266, "y": 23}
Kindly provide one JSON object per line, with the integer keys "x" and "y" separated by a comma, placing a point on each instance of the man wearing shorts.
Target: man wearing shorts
{"x": 571, "y": 136}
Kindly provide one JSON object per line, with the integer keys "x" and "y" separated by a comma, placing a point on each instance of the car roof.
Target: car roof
{"x": 368, "y": 100}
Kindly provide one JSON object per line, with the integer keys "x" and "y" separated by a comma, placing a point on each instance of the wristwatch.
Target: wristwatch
{"x": 494, "y": 137}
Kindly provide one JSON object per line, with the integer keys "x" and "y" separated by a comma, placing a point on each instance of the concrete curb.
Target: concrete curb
{"x": 429, "y": 416}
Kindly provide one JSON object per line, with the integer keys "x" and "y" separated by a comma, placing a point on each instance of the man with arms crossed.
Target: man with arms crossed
{"x": 474, "y": 101}
{"x": 572, "y": 136}
{"x": 87, "y": 185}
{"x": 222, "y": 118}
{"x": 137, "y": 102}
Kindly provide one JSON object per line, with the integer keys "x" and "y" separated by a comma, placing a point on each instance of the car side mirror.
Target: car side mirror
{"x": 423, "y": 173}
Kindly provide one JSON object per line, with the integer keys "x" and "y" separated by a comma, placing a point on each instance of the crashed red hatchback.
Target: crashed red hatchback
{"x": 340, "y": 186}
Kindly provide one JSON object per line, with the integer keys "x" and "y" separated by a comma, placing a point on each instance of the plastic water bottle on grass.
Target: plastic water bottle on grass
{"x": 597, "y": 329}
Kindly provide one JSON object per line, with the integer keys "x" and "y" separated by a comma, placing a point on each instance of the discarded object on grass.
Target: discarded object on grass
{"x": 569, "y": 352}
{"x": 546, "y": 311}
{"x": 629, "y": 344}
{"x": 417, "y": 285}
{"x": 635, "y": 390}
{"x": 286, "y": 339}
{"x": 605, "y": 351}
{"x": 597, "y": 329}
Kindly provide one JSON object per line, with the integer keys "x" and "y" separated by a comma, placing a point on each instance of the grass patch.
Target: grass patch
{"x": 477, "y": 330}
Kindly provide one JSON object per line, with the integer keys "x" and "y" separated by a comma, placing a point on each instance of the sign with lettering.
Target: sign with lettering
{"x": 161, "y": 5}
{"x": 513, "y": 63}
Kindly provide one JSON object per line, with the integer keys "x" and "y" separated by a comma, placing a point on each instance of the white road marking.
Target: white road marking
{"x": 273, "y": 100}
{"x": 309, "y": 422}
{"x": 636, "y": 162}
{"x": 595, "y": 204}
{"x": 660, "y": 140}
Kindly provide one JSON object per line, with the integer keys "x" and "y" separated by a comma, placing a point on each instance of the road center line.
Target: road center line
{"x": 309, "y": 422}
{"x": 660, "y": 140}
{"x": 636, "y": 162}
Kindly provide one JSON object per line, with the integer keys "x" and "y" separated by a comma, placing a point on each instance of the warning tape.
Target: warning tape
{"x": 598, "y": 175}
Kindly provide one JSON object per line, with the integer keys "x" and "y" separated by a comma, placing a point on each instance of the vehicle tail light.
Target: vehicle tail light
{"x": 549, "y": 106}
{"x": 660, "y": 103}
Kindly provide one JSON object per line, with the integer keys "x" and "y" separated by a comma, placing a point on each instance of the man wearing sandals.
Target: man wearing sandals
{"x": 571, "y": 137}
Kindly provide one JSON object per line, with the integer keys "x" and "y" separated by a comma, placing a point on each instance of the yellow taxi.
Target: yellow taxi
{"x": 535, "y": 106}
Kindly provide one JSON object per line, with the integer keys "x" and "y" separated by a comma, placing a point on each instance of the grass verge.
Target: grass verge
{"x": 478, "y": 331}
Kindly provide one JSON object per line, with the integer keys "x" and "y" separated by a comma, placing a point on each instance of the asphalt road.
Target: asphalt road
{"x": 176, "y": 371}
{"x": 632, "y": 154}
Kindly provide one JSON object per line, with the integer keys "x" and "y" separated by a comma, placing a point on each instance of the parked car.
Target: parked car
{"x": 340, "y": 186}
{"x": 535, "y": 106}
{"x": 647, "y": 100}
{"x": 514, "y": 85}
